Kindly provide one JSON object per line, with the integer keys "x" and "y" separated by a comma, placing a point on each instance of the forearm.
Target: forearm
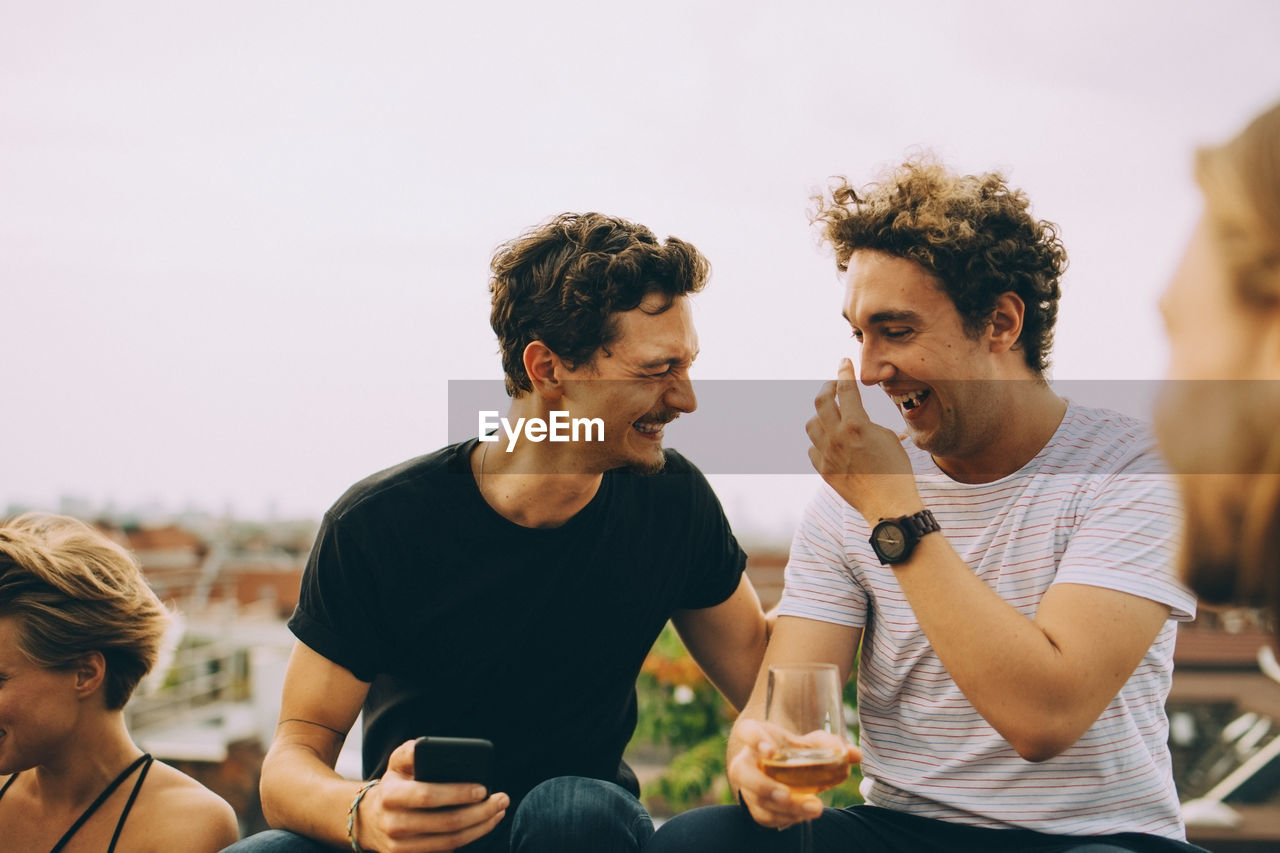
{"x": 304, "y": 794}
{"x": 1005, "y": 664}
{"x": 1038, "y": 682}
{"x": 728, "y": 641}
{"x": 734, "y": 675}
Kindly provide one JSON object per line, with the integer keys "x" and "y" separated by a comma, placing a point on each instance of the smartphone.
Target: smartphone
{"x": 452, "y": 759}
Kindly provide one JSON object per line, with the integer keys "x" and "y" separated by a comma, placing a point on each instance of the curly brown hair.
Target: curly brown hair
{"x": 562, "y": 283}
{"x": 973, "y": 232}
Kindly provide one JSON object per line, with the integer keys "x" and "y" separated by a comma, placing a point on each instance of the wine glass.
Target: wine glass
{"x": 804, "y": 706}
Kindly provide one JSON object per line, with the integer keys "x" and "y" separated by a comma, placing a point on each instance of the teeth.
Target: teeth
{"x": 910, "y": 401}
{"x": 649, "y": 428}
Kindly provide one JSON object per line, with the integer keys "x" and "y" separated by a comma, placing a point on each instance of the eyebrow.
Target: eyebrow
{"x": 904, "y": 315}
{"x": 669, "y": 361}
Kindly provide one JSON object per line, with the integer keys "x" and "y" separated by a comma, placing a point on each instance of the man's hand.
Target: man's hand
{"x": 863, "y": 461}
{"x": 770, "y": 803}
{"x": 400, "y": 815}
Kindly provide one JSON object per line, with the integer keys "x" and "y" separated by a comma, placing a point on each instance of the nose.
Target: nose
{"x": 873, "y": 368}
{"x": 680, "y": 395}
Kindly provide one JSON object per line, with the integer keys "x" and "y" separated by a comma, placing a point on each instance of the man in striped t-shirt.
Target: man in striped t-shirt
{"x": 1007, "y": 574}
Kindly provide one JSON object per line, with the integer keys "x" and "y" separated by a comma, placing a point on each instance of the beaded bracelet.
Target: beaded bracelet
{"x": 351, "y": 814}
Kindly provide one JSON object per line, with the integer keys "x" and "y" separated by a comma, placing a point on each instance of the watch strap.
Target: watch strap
{"x": 919, "y": 523}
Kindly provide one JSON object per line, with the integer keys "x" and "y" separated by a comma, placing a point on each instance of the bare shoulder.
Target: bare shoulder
{"x": 175, "y": 812}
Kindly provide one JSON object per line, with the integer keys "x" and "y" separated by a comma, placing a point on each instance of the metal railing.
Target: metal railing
{"x": 203, "y": 672}
{"x": 1251, "y": 740}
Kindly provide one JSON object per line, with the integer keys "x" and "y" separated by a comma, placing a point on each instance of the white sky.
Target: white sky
{"x": 244, "y": 245}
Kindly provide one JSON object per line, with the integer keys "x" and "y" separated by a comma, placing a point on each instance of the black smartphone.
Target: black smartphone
{"x": 452, "y": 759}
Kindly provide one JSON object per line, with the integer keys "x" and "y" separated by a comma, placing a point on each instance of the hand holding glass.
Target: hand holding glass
{"x": 804, "y": 706}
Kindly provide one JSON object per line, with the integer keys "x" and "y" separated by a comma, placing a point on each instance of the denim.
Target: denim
{"x": 573, "y": 814}
{"x": 868, "y": 829}
{"x": 567, "y": 814}
{"x": 278, "y": 841}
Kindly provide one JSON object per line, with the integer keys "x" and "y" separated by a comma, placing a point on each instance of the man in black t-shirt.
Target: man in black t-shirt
{"x": 512, "y": 596}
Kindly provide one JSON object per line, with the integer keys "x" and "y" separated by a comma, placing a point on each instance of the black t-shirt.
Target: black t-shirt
{"x": 468, "y": 625}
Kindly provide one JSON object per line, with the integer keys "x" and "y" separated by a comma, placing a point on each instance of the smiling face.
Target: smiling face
{"x": 37, "y": 705}
{"x": 914, "y": 346}
{"x": 638, "y": 385}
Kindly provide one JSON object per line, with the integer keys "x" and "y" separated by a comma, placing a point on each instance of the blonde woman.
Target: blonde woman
{"x": 1219, "y": 414}
{"x": 79, "y": 628}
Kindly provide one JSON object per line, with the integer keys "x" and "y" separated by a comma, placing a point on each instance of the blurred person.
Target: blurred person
{"x": 512, "y": 595}
{"x": 79, "y": 628}
{"x": 1004, "y": 580}
{"x": 1218, "y": 412}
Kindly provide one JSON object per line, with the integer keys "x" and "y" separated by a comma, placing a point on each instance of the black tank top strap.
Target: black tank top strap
{"x": 128, "y": 806}
{"x": 8, "y": 784}
{"x": 102, "y": 798}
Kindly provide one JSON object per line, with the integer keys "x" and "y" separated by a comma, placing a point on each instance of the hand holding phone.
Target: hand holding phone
{"x": 450, "y": 816}
{"x": 452, "y": 759}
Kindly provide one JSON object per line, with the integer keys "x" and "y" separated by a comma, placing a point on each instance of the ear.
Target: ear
{"x": 546, "y": 370}
{"x": 91, "y": 672}
{"x": 1005, "y": 323}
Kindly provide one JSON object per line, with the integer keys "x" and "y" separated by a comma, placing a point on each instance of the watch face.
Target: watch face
{"x": 890, "y": 539}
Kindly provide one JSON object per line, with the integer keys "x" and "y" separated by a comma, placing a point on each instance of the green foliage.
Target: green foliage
{"x": 678, "y": 707}
{"x": 693, "y": 778}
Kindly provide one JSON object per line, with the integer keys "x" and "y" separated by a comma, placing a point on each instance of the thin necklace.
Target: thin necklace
{"x": 483, "y": 454}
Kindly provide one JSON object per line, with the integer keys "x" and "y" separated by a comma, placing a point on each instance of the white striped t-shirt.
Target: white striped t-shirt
{"x": 1093, "y": 507}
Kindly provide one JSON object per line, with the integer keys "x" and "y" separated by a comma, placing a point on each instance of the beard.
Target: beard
{"x": 649, "y": 467}
{"x": 945, "y": 441}
{"x": 962, "y": 425}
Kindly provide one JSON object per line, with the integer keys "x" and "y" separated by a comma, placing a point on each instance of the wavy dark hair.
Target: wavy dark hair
{"x": 562, "y": 283}
{"x": 973, "y": 232}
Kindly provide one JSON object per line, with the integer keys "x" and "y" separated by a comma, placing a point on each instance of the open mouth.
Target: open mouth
{"x": 912, "y": 400}
{"x": 651, "y": 427}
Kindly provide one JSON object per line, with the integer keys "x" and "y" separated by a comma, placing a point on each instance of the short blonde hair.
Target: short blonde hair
{"x": 1241, "y": 185}
{"x": 74, "y": 591}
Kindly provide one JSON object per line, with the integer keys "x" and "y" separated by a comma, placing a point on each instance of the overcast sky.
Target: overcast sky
{"x": 244, "y": 245}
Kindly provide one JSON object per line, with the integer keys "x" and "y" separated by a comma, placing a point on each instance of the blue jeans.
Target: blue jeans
{"x": 868, "y": 829}
{"x": 567, "y": 814}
